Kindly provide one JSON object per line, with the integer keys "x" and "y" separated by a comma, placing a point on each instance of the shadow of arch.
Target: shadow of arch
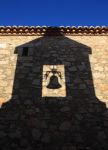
{"x": 75, "y": 121}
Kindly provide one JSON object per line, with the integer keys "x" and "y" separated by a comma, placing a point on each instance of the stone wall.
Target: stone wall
{"x": 78, "y": 120}
{"x": 98, "y": 61}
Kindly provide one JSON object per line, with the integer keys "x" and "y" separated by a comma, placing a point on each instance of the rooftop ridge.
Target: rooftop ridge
{"x": 53, "y": 30}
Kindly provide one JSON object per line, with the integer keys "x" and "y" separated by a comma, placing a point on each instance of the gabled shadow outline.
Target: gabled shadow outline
{"x": 76, "y": 118}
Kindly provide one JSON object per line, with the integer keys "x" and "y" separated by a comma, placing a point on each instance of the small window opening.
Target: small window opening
{"x": 25, "y": 51}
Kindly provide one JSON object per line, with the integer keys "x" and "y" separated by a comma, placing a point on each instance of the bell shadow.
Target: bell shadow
{"x": 75, "y": 121}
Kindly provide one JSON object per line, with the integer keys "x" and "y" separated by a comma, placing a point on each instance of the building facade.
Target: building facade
{"x": 54, "y": 87}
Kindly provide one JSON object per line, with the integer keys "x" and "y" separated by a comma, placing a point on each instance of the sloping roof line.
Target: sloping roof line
{"x": 61, "y": 30}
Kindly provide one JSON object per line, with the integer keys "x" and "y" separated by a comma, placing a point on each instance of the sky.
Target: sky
{"x": 54, "y": 12}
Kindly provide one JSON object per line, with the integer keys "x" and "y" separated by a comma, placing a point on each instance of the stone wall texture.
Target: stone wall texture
{"x": 78, "y": 121}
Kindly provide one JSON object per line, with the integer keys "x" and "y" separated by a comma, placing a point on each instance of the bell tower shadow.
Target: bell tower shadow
{"x": 77, "y": 120}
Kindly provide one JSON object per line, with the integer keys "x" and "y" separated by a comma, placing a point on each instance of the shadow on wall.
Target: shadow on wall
{"x": 77, "y": 121}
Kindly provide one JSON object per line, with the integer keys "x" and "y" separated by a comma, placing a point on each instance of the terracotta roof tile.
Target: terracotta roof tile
{"x": 61, "y": 30}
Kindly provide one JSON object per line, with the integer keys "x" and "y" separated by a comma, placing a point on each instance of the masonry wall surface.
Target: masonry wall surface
{"x": 98, "y": 61}
{"x": 77, "y": 121}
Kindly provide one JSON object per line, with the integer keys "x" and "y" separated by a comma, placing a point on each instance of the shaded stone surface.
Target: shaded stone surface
{"x": 78, "y": 121}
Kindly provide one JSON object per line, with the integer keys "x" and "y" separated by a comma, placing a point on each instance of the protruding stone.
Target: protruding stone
{"x": 16, "y": 134}
{"x": 82, "y": 86}
{"x": 36, "y": 134}
{"x": 36, "y": 82}
{"x": 45, "y": 138}
{"x": 2, "y": 134}
{"x": 65, "y": 125}
{"x": 65, "y": 109}
{"x": 73, "y": 68}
